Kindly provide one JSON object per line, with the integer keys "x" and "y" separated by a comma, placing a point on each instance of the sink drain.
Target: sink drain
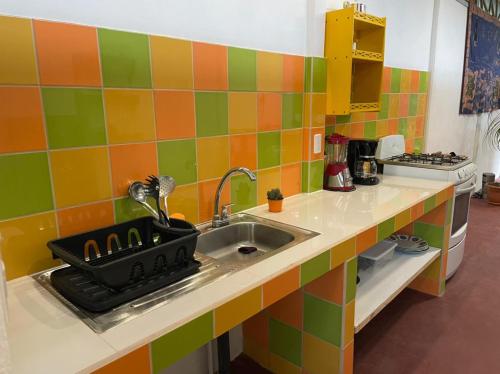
{"x": 247, "y": 250}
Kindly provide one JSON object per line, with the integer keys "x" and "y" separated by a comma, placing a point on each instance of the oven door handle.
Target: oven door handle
{"x": 465, "y": 190}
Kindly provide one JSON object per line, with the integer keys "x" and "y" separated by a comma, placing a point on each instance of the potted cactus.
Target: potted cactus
{"x": 275, "y": 200}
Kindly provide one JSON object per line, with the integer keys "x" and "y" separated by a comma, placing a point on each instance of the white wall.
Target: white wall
{"x": 277, "y": 25}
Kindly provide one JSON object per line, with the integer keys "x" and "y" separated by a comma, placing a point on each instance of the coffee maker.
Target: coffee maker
{"x": 361, "y": 160}
{"x": 337, "y": 176}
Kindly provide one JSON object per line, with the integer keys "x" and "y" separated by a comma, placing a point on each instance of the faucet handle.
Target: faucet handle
{"x": 225, "y": 210}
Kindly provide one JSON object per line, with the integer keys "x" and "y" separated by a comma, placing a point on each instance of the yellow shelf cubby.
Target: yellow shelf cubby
{"x": 354, "y": 75}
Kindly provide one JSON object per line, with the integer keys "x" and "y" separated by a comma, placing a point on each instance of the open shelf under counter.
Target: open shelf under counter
{"x": 378, "y": 288}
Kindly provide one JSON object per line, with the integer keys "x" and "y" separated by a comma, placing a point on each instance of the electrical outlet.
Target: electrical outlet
{"x": 317, "y": 144}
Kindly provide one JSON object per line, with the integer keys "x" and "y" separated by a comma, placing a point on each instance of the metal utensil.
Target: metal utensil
{"x": 137, "y": 191}
{"x": 167, "y": 186}
{"x": 153, "y": 190}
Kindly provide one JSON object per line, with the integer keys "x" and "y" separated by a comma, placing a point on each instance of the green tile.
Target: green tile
{"x": 395, "y": 80}
{"x": 418, "y": 145}
{"x": 292, "y": 110}
{"x": 124, "y": 59}
{"x": 386, "y": 228}
{"x": 242, "y": 69}
{"x": 308, "y": 74}
{"x": 403, "y": 127}
{"x": 432, "y": 234}
{"x": 74, "y": 117}
{"x": 351, "y": 277}
{"x": 180, "y": 342}
{"x": 177, "y": 158}
{"x": 412, "y": 111}
{"x": 211, "y": 113}
{"x": 370, "y": 130}
{"x": 329, "y": 130}
{"x": 25, "y": 187}
{"x": 442, "y": 286}
{"x": 423, "y": 82}
{"x": 305, "y": 176}
{"x": 314, "y": 268}
{"x": 449, "y": 211}
{"x": 285, "y": 341}
{"x": 269, "y": 148}
{"x": 429, "y": 204}
{"x": 343, "y": 119}
{"x": 316, "y": 175}
{"x": 384, "y": 107}
{"x": 243, "y": 193}
{"x": 323, "y": 319}
{"x": 319, "y": 74}
{"x": 127, "y": 209}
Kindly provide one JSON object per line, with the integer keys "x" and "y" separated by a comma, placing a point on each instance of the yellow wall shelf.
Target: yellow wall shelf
{"x": 354, "y": 48}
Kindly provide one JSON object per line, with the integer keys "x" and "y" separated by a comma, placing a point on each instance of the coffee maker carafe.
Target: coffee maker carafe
{"x": 337, "y": 176}
{"x": 361, "y": 159}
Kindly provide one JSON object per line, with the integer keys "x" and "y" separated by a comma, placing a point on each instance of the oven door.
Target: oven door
{"x": 463, "y": 193}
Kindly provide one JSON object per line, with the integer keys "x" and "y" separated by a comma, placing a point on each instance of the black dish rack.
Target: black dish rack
{"x": 123, "y": 255}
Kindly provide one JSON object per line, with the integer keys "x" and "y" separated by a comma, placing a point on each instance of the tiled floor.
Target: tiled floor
{"x": 418, "y": 334}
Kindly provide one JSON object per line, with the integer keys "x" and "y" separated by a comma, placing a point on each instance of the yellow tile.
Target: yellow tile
{"x": 349, "y": 323}
{"x": 291, "y": 146}
{"x": 242, "y": 112}
{"x": 23, "y": 244}
{"x": 267, "y": 179}
{"x": 213, "y": 157}
{"x": 80, "y": 176}
{"x": 269, "y": 71}
{"x": 319, "y": 356}
{"x": 412, "y": 126}
{"x": 237, "y": 310}
{"x": 393, "y": 106}
{"x": 357, "y": 117}
{"x": 130, "y": 115}
{"x": 185, "y": 200}
{"x": 382, "y": 128}
{"x": 282, "y": 366}
{"x": 172, "y": 62}
{"x": 17, "y": 57}
{"x": 342, "y": 252}
{"x": 256, "y": 352}
{"x": 402, "y": 219}
{"x": 318, "y": 109}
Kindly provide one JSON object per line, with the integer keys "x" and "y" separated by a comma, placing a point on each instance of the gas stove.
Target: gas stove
{"x": 437, "y": 160}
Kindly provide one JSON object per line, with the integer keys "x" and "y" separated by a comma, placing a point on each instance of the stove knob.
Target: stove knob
{"x": 461, "y": 174}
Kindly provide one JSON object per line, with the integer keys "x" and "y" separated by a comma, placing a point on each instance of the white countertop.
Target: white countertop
{"x": 46, "y": 337}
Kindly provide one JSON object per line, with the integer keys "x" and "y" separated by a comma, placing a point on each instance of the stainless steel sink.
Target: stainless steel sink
{"x": 248, "y": 239}
{"x": 217, "y": 250}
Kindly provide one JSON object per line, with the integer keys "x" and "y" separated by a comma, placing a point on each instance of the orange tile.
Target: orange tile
{"x": 371, "y": 116}
{"x": 210, "y": 66}
{"x": 21, "y": 120}
{"x": 349, "y": 359}
{"x": 366, "y": 239}
{"x": 329, "y": 286}
{"x": 281, "y": 286}
{"x": 24, "y": 244}
{"x": 425, "y": 285}
{"x": 206, "y": 197}
{"x": 382, "y": 128}
{"x": 417, "y": 211}
{"x": 242, "y": 112}
{"x": 436, "y": 216}
{"x": 291, "y": 146}
{"x": 17, "y": 60}
{"x": 314, "y": 109}
{"x": 269, "y": 111}
{"x": 266, "y": 180}
{"x": 349, "y": 322}
{"x": 85, "y": 218}
{"x": 137, "y": 362}
{"x": 321, "y": 154}
{"x": 415, "y": 81}
{"x": 171, "y": 62}
{"x": 386, "y": 80}
{"x": 175, "y": 118}
{"x": 342, "y": 252}
{"x": 404, "y": 102}
{"x": 419, "y": 127}
{"x": 243, "y": 150}
{"x": 131, "y": 162}
{"x": 130, "y": 115}
{"x": 402, "y": 219}
{"x": 358, "y": 130}
{"x": 185, "y": 200}
{"x": 86, "y": 168}
{"x": 256, "y": 329}
{"x": 256, "y": 352}
{"x": 209, "y": 166}
{"x": 289, "y": 309}
{"x": 407, "y": 230}
{"x": 409, "y": 145}
{"x": 393, "y": 126}
{"x": 293, "y": 73}
{"x": 291, "y": 182}
{"x": 306, "y": 143}
{"x": 67, "y": 54}
{"x": 421, "y": 104}
{"x": 269, "y": 71}
{"x": 237, "y": 310}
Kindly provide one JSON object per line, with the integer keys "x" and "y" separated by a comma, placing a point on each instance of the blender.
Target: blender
{"x": 337, "y": 176}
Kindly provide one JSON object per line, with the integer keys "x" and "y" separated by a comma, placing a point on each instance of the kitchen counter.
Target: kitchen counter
{"x": 46, "y": 337}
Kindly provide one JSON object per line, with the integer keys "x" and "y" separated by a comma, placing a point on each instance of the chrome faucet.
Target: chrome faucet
{"x": 222, "y": 219}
